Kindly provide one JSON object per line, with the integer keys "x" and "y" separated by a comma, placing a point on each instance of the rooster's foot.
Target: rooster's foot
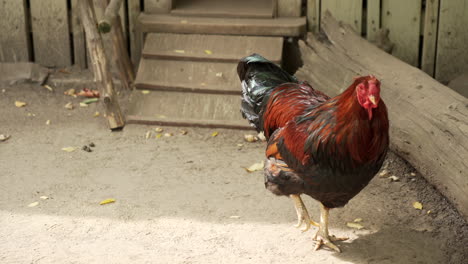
{"x": 327, "y": 241}
{"x": 302, "y": 214}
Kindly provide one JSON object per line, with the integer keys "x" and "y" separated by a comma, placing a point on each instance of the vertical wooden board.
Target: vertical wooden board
{"x": 289, "y": 8}
{"x": 313, "y": 15}
{"x": 349, "y": 11}
{"x": 430, "y": 36}
{"x": 158, "y": 6}
{"x": 134, "y": 10}
{"x": 51, "y": 34}
{"x": 452, "y": 52}
{"x": 123, "y": 19}
{"x": 402, "y": 18}
{"x": 79, "y": 41}
{"x": 14, "y": 36}
{"x": 373, "y": 19}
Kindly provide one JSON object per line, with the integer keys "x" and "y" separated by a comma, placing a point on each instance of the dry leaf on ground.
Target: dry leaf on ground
{"x": 183, "y": 132}
{"x": 47, "y": 122}
{"x": 148, "y": 134}
{"x": 234, "y": 217}
{"x": 33, "y": 204}
{"x": 179, "y": 51}
{"x": 255, "y": 167}
{"x": 418, "y": 205}
{"x": 69, "y": 149}
{"x": 209, "y": 52}
{"x": 214, "y": 134}
{"x": 145, "y": 91}
{"x": 69, "y": 106}
{"x": 159, "y": 135}
{"x": 357, "y": 220}
{"x": 250, "y": 138}
{"x": 107, "y": 201}
{"x": 4, "y": 137}
{"x": 158, "y": 129}
{"x": 168, "y": 134}
{"x": 20, "y": 104}
{"x": 383, "y": 173}
{"x": 394, "y": 178}
{"x": 44, "y": 197}
{"x": 355, "y": 225}
{"x": 96, "y": 114}
{"x": 48, "y": 87}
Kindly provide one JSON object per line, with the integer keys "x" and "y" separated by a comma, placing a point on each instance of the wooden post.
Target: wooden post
{"x": 112, "y": 23}
{"x": 102, "y": 74}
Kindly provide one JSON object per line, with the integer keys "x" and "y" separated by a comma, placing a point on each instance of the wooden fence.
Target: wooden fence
{"x": 430, "y": 34}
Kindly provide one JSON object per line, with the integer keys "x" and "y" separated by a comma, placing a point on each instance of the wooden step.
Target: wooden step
{"x": 219, "y": 48}
{"x": 186, "y": 109}
{"x": 283, "y": 26}
{"x": 204, "y": 77}
{"x": 225, "y": 8}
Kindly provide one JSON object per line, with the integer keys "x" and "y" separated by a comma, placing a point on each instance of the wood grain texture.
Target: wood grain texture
{"x": 349, "y": 11}
{"x": 213, "y": 48}
{"x": 313, "y": 15}
{"x": 431, "y": 19}
{"x": 403, "y": 18}
{"x": 136, "y": 37}
{"x": 14, "y": 36}
{"x": 452, "y": 52}
{"x": 230, "y": 26}
{"x": 158, "y": 6}
{"x": 224, "y": 8}
{"x": 79, "y": 41}
{"x": 191, "y": 76}
{"x": 373, "y": 19}
{"x": 51, "y": 34}
{"x": 429, "y": 121}
{"x": 182, "y": 106}
{"x": 289, "y": 8}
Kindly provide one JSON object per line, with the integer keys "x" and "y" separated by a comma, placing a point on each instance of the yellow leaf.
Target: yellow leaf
{"x": 33, "y": 204}
{"x": 69, "y": 149}
{"x": 96, "y": 114}
{"x": 209, "y": 52}
{"x": 44, "y": 197}
{"x": 148, "y": 134}
{"x": 214, "y": 134}
{"x": 20, "y": 104}
{"x": 83, "y": 105}
{"x": 70, "y": 92}
{"x": 357, "y": 220}
{"x": 159, "y": 135}
{"x": 107, "y": 201}
{"x": 158, "y": 129}
{"x": 47, "y": 122}
{"x": 255, "y": 167}
{"x": 179, "y": 51}
{"x": 355, "y": 225}
{"x": 145, "y": 92}
{"x": 418, "y": 205}
{"x": 183, "y": 132}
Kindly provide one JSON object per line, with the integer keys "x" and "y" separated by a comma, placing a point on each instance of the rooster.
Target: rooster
{"x": 327, "y": 148}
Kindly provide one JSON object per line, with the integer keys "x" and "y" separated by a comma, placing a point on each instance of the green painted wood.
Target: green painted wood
{"x": 373, "y": 19}
{"x": 51, "y": 32}
{"x": 349, "y": 11}
{"x": 452, "y": 52}
{"x": 14, "y": 36}
{"x": 403, "y": 18}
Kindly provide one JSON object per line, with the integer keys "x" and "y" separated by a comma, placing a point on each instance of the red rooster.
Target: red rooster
{"x": 327, "y": 148}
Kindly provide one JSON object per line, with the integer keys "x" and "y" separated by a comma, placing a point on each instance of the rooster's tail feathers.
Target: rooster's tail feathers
{"x": 259, "y": 77}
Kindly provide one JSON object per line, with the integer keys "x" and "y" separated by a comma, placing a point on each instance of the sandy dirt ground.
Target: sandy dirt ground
{"x": 186, "y": 198}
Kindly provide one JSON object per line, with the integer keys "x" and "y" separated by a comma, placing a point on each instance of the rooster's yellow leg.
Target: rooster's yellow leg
{"x": 322, "y": 237}
{"x": 302, "y": 214}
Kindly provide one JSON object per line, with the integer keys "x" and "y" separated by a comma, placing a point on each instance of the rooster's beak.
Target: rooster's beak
{"x": 372, "y": 99}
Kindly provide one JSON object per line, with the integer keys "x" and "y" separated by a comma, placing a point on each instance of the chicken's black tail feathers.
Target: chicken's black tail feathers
{"x": 259, "y": 77}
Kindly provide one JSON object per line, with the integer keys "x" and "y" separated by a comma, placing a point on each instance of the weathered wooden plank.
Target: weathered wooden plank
{"x": 349, "y": 11}
{"x": 313, "y": 15}
{"x": 136, "y": 37}
{"x": 373, "y": 19}
{"x": 224, "y": 8}
{"x": 214, "y": 48}
{"x": 51, "y": 32}
{"x": 158, "y": 6}
{"x": 402, "y": 18}
{"x": 196, "y": 76}
{"x": 124, "y": 20}
{"x": 14, "y": 36}
{"x": 452, "y": 52}
{"x": 289, "y": 8}
{"x": 79, "y": 41}
{"x": 286, "y": 26}
{"x": 430, "y": 36}
{"x": 186, "y": 108}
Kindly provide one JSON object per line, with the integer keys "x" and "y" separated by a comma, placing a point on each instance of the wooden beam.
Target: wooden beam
{"x": 101, "y": 69}
{"x": 79, "y": 41}
{"x": 135, "y": 35}
{"x": 430, "y": 36}
{"x": 313, "y": 15}
{"x": 373, "y": 19}
{"x": 158, "y": 7}
{"x": 428, "y": 121}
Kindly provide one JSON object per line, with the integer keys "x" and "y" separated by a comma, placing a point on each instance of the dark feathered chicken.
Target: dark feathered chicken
{"x": 327, "y": 148}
